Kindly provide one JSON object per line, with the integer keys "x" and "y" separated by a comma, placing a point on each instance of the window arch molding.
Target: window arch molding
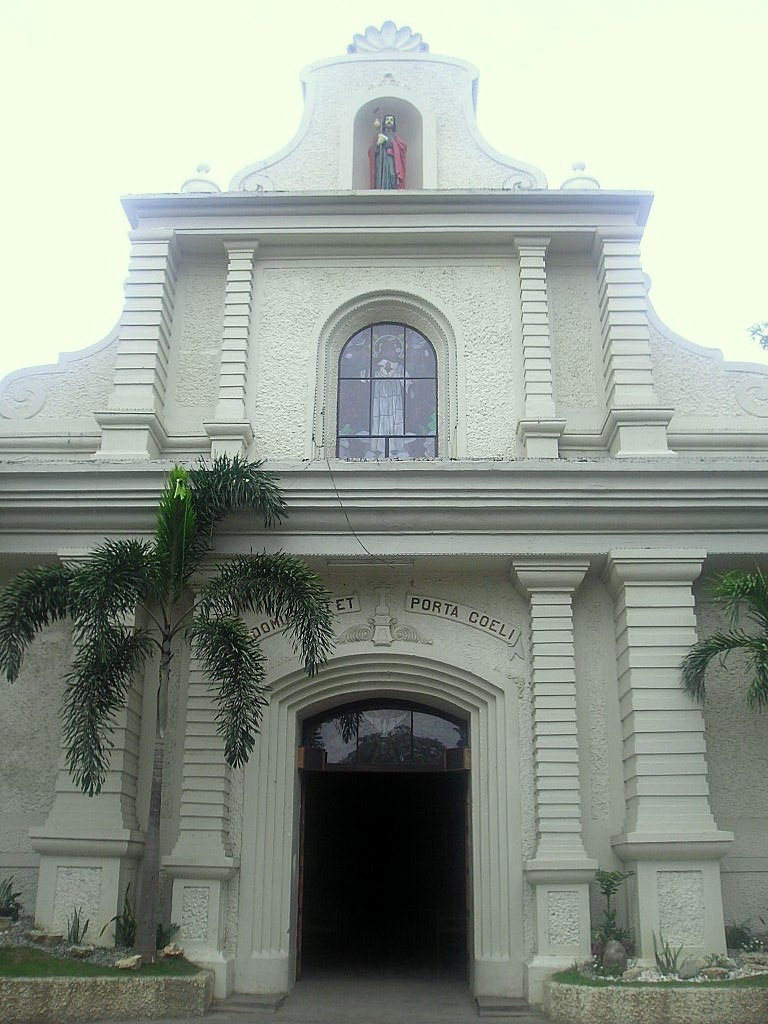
{"x": 389, "y": 307}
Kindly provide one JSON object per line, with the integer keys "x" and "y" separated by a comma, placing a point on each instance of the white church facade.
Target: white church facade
{"x": 515, "y": 482}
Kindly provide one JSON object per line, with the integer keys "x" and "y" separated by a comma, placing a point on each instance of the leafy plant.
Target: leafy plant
{"x": 76, "y": 928}
{"x": 124, "y": 922}
{"x": 666, "y": 957}
{"x": 717, "y": 960}
{"x": 738, "y": 936}
{"x": 166, "y": 934}
{"x": 609, "y": 883}
{"x": 737, "y": 593}
{"x": 9, "y": 904}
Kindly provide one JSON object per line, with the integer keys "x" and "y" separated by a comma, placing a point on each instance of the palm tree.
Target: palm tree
{"x": 131, "y": 599}
{"x": 736, "y": 592}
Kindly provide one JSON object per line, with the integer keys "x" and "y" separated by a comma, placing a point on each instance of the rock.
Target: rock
{"x": 714, "y": 973}
{"x": 79, "y": 952}
{"x": 615, "y": 956}
{"x": 5, "y": 923}
{"x": 632, "y": 974}
{"x": 43, "y": 938}
{"x": 689, "y": 970}
{"x": 129, "y": 963}
{"x": 754, "y": 958}
{"x": 172, "y": 950}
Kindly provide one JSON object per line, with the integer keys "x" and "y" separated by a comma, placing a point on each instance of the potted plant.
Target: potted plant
{"x": 9, "y": 904}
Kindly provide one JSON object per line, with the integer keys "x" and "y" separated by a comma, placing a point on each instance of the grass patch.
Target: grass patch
{"x": 573, "y": 977}
{"x": 29, "y": 962}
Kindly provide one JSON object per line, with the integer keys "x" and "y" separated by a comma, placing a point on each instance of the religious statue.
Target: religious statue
{"x": 387, "y": 155}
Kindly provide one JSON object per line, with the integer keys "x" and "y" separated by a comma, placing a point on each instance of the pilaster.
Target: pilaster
{"x": 132, "y": 425}
{"x": 539, "y": 431}
{"x": 201, "y": 862}
{"x": 231, "y": 432}
{"x": 634, "y": 425}
{"x": 670, "y": 838}
{"x": 560, "y": 871}
{"x": 89, "y": 846}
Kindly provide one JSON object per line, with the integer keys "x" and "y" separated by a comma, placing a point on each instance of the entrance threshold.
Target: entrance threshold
{"x": 373, "y": 996}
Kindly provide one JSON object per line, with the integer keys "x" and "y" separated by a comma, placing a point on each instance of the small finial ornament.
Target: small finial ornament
{"x": 200, "y": 185}
{"x": 580, "y": 181}
{"x": 388, "y": 37}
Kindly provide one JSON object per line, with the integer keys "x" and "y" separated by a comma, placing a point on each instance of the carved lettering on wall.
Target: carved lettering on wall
{"x": 268, "y": 626}
{"x": 452, "y": 611}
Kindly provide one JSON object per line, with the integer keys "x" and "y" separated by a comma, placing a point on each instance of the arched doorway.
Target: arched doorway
{"x": 384, "y": 849}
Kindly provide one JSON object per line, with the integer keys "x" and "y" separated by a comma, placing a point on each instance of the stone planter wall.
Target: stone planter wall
{"x": 49, "y": 1000}
{"x": 649, "y": 1004}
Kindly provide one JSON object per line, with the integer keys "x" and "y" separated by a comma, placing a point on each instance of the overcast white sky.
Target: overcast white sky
{"x": 104, "y": 98}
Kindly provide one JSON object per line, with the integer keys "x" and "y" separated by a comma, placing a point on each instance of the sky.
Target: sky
{"x": 105, "y": 98}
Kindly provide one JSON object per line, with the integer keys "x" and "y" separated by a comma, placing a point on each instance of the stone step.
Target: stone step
{"x": 509, "y": 1007}
{"x": 245, "y": 1005}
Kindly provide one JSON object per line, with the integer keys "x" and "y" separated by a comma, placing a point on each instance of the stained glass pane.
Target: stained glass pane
{"x": 440, "y": 730}
{"x": 362, "y": 448}
{"x": 419, "y": 356}
{"x": 416, "y": 447}
{"x": 421, "y": 407}
{"x": 354, "y": 407}
{"x": 355, "y": 358}
{"x": 388, "y": 350}
{"x": 387, "y": 408}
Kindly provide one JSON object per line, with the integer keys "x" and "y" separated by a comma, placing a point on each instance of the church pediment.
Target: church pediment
{"x": 435, "y": 141}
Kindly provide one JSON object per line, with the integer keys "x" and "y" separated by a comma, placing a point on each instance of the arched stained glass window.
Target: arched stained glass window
{"x": 387, "y": 396}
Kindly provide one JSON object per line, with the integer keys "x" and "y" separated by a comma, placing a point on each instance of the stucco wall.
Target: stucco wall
{"x": 295, "y": 301}
{"x": 575, "y": 337}
{"x": 193, "y": 372}
{"x": 737, "y": 754}
{"x": 30, "y": 733}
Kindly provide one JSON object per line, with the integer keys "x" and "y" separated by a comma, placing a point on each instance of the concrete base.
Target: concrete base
{"x": 53, "y": 1000}
{"x": 537, "y": 973}
{"x": 649, "y": 1004}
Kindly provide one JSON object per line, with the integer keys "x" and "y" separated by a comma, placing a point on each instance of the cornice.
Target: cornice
{"x": 231, "y": 213}
{"x": 523, "y": 507}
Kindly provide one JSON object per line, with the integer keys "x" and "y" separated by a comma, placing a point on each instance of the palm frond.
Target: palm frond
{"x": 118, "y": 575}
{"x": 32, "y": 600}
{"x": 102, "y": 670}
{"x": 232, "y": 484}
{"x": 176, "y": 531}
{"x": 697, "y": 660}
{"x": 757, "y": 691}
{"x": 280, "y": 586}
{"x": 737, "y": 590}
{"x": 233, "y": 660}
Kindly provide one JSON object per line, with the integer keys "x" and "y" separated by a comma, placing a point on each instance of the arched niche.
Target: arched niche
{"x": 410, "y": 127}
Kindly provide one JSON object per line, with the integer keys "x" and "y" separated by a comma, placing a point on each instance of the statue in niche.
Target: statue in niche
{"x": 387, "y": 155}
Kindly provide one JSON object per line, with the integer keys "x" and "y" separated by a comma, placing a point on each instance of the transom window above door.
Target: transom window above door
{"x": 387, "y": 395}
{"x": 387, "y": 734}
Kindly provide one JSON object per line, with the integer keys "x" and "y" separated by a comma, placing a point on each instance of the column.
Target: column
{"x": 230, "y": 431}
{"x": 539, "y": 431}
{"x": 201, "y": 862}
{"x": 132, "y": 425}
{"x": 89, "y": 846}
{"x": 560, "y": 871}
{"x": 670, "y": 838}
{"x": 634, "y": 425}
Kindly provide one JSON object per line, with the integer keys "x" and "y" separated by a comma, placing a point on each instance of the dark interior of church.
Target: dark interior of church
{"x": 384, "y": 879}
